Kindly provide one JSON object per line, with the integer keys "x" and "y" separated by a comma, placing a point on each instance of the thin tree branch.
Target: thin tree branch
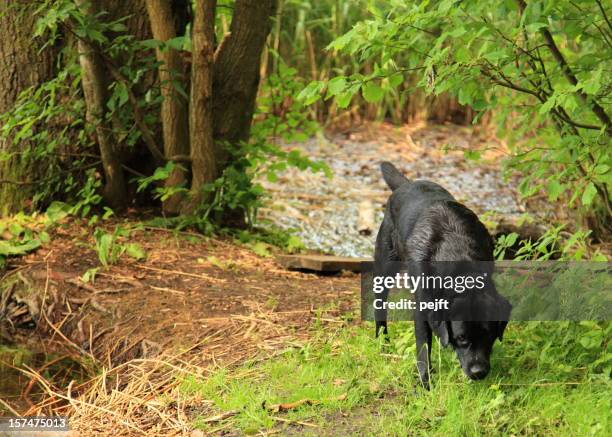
{"x": 604, "y": 35}
{"x": 603, "y": 12}
{"x": 507, "y": 83}
{"x": 563, "y": 115}
{"x": 599, "y": 111}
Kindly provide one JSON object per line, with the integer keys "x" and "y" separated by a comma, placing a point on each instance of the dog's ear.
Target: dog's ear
{"x": 443, "y": 331}
{"x": 501, "y": 327}
{"x": 505, "y": 307}
{"x": 392, "y": 176}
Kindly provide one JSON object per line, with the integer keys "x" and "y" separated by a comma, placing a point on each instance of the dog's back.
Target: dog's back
{"x": 426, "y": 223}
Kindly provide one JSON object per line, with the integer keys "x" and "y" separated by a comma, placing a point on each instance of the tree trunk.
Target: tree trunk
{"x": 22, "y": 65}
{"x": 174, "y": 116}
{"x": 95, "y": 89}
{"x": 203, "y": 159}
{"x": 236, "y": 73}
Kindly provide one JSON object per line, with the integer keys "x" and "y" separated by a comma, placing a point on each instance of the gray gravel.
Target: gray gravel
{"x": 324, "y": 213}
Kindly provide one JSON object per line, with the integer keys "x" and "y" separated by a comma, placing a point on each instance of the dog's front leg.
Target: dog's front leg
{"x": 423, "y": 335}
{"x": 384, "y": 257}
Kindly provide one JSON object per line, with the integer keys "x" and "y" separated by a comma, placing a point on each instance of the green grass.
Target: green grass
{"x": 543, "y": 381}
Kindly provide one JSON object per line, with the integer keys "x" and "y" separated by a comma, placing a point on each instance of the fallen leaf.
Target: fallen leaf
{"x": 293, "y": 405}
{"x": 221, "y": 416}
{"x": 289, "y": 405}
{"x": 374, "y": 387}
{"x": 341, "y": 397}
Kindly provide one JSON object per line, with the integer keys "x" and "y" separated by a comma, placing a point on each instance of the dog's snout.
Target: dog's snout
{"x": 478, "y": 371}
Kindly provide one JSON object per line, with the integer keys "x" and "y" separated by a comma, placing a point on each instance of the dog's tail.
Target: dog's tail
{"x": 392, "y": 176}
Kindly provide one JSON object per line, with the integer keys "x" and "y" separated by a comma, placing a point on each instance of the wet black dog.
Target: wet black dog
{"x": 425, "y": 225}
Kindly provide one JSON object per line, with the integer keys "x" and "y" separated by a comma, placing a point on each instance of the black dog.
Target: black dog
{"x": 424, "y": 224}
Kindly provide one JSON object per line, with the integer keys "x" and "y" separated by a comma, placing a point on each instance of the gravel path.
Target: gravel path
{"x": 325, "y": 212}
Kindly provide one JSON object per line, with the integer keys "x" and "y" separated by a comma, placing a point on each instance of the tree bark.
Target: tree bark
{"x": 174, "y": 115}
{"x": 203, "y": 159}
{"x": 236, "y": 73}
{"x": 22, "y": 65}
{"x": 95, "y": 89}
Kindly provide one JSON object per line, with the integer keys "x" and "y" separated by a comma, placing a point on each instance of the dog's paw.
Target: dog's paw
{"x": 424, "y": 380}
{"x": 420, "y": 388}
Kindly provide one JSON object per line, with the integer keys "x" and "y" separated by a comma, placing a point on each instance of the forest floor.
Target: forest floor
{"x": 206, "y": 337}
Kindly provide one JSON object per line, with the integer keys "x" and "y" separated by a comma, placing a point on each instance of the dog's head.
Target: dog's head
{"x": 473, "y": 340}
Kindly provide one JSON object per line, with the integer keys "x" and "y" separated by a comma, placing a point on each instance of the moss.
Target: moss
{"x": 14, "y": 196}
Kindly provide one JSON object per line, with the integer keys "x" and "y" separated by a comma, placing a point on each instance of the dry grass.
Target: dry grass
{"x": 142, "y": 397}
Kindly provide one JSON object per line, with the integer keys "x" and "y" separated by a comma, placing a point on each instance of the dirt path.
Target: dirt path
{"x": 188, "y": 287}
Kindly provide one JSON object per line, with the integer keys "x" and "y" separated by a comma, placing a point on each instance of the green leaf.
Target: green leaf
{"x": 294, "y": 243}
{"x": 311, "y": 93}
{"x": 117, "y": 27}
{"x": 534, "y": 27}
{"x": 9, "y": 248}
{"x": 601, "y": 169}
{"x": 554, "y": 189}
{"x": 151, "y": 43}
{"x": 462, "y": 54}
{"x": 272, "y": 176}
{"x": 336, "y": 86}
{"x": 372, "y": 92}
{"x": 548, "y": 105}
{"x": 591, "y": 340}
{"x": 344, "y": 99}
{"x": 341, "y": 42}
{"x": 260, "y": 248}
{"x": 396, "y": 79}
{"x": 472, "y": 155}
{"x": 135, "y": 251}
{"x": 589, "y": 194}
{"x": 16, "y": 229}
{"x": 176, "y": 43}
{"x": 217, "y": 262}
{"x": 90, "y": 275}
{"x": 511, "y": 239}
{"x": 44, "y": 237}
{"x": 104, "y": 246}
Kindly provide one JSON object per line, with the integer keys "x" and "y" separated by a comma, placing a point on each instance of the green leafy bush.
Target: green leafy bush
{"x": 22, "y": 234}
{"x": 539, "y": 66}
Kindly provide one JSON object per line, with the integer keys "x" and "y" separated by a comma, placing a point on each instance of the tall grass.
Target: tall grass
{"x": 301, "y": 32}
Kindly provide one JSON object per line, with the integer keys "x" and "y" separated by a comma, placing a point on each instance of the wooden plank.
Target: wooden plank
{"x": 321, "y": 263}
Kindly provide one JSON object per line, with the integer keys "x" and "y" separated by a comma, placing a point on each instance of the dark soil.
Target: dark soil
{"x": 188, "y": 287}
